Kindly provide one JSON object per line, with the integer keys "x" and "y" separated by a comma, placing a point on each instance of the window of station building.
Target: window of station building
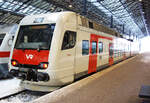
{"x": 100, "y": 46}
{"x": 69, "y": 40}
{"x": 85, "y": 47}
{"x": 1, "y": 38}
{"x": 90, "y": 25}
{"x": 94, "y": 47}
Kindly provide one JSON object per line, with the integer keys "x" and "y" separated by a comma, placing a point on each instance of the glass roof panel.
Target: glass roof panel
{"x": 120, "y": 14}
{"x": 98, "y": 10}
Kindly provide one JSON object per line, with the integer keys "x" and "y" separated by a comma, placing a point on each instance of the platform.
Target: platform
{"x": 145, "y": 92}
{"x": 120, "y": 83}
{"x": 9, "y": 87}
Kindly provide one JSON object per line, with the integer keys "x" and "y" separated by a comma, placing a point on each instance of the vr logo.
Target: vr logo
{"x": 30, "y": 56}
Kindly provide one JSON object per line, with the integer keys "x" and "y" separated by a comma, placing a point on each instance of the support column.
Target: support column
{"x": 123, "y": 29}
{"x": 111, "y": 23}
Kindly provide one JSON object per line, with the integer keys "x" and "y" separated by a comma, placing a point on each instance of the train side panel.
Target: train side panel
{"x": 63, "y": 60}
{"x": 83, "y": 64}
{"x": 82, "y": 53}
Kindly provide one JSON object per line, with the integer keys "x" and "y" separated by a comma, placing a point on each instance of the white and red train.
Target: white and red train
{"x": 52, "y": 50}
{"x": 7, "y": 33}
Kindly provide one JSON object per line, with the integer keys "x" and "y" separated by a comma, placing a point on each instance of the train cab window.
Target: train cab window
{"x": 69, "y": 40}
{"x": 94, "y": 47}
{"x": 100, "y": 46}
{"x": 35, "y": 37}
{"x": 1, "y": 38}
{"x": 110, "y": 49}
{"x": 85, "y": 47}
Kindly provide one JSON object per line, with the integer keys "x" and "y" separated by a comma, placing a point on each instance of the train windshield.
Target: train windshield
{"x": 35, "y": 37}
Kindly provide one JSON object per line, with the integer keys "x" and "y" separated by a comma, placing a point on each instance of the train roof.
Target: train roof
{"x": 44, "y": 18}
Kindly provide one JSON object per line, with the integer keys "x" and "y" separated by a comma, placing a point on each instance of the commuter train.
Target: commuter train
{"x": 52, "y": 50}
{"x": 7, "y": 33}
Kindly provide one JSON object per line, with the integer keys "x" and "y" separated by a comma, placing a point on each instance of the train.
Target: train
{"x": 52, "y": 50}
{"x": 7, "y": 33}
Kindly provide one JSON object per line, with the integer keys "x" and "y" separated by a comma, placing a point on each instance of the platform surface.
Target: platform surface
{"x": 9, "y": 87}
{"x": 145, "y": 91}
{"x": 120, "y": 83}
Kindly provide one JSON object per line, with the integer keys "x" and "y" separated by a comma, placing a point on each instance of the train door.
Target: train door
{"x": 111, "y": 59}
{"x": 68, "y": 50}
{"x": 93, "y": 54}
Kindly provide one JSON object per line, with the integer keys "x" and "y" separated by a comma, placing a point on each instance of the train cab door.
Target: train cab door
{"x": 93, "y": 54}
{"x": 67, "y": 57}
{"x": 111, "y": 59}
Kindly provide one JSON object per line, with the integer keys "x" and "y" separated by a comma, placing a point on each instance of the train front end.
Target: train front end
{"x": 30, "y": 54}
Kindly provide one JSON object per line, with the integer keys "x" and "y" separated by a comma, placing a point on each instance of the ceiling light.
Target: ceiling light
{"x": 70, "y": 6}
{"x": 1, "y": 1}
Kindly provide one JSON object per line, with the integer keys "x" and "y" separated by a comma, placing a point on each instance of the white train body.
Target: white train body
{"x": 7, "y": 33}
{"x": 72, "y": 50}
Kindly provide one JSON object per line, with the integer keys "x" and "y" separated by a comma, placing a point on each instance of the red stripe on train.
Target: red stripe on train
{"x": 4, "y": 54}
{"x": 102, "y": 37}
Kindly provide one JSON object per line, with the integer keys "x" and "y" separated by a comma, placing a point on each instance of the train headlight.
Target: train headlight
{"x": 44, "y": 65}
{"x": 14, "y": 63}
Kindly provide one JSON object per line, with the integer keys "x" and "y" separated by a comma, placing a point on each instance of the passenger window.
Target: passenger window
{"x": 90, "y": 25}
{"x": 85, "y": 47}
{"x": 94, "y": 47}
{"x": 110, "y": 49}
{"x": 69, "y": 40}
{"x": 100, "y": 46}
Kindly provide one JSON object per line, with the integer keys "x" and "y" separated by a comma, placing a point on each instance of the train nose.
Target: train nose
{"x": 16, "y": 73}
{"x": 30, "y": 75}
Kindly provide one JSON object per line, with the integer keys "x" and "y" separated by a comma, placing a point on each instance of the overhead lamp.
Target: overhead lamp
{"x": 1, "y": 1}
{"x": 70, "y": 6}
{"x": 140, "y": 0}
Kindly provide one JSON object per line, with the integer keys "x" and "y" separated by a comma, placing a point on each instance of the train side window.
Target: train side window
{"x": 110, "y": 49}
{"x": 90, "y": 25}
{"x": 100, "y": 46}
{"x": 69, "y": 40}
{"x": 94, "y": 47}
{"x": 85, "y": 47}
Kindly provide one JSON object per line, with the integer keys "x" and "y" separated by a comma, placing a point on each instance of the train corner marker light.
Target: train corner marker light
{"x": 14, "y": 63}
{"x": 44, "y": 65}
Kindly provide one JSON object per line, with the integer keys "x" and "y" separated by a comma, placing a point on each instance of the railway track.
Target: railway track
{"x": 12, "y": 92}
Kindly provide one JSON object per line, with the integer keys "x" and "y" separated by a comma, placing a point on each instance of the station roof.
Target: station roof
{"x": 128, "y": 17}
